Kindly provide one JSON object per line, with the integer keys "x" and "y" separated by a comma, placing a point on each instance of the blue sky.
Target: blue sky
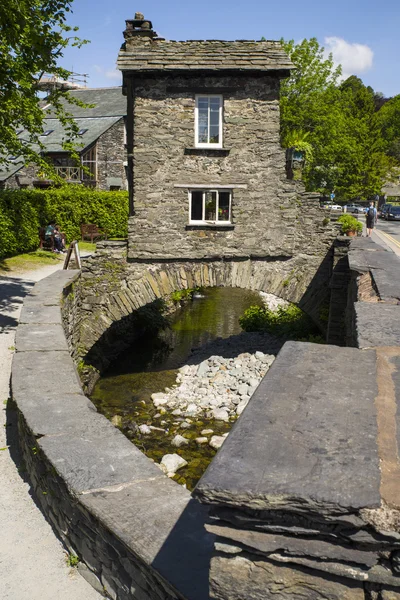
{"x": 363, "y": 35}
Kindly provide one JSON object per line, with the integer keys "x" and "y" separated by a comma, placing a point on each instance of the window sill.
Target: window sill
{"x": 207, "y": 151}
{"x": 218, "y": 226}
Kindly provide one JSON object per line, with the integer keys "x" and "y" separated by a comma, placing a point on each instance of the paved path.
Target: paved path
{"x": 32, "y": 560}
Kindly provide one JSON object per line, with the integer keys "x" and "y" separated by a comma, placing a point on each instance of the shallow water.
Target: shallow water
{"x": 123, "y": 394}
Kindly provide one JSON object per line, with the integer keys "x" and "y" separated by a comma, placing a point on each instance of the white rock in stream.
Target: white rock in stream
{"x": 171, "y": 463}
{"x": 220, "y": 414}
{"x": 201, "y": 440}
{"x": 144, "y": 429}
{"x": 217, "y": 441}
{"x": 207, "y": 431}
{"x": 179, "y": 441}
{"x": 159, "y": 399}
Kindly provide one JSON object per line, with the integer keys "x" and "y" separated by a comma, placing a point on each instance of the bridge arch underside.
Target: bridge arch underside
{"x": 109, "y": 323}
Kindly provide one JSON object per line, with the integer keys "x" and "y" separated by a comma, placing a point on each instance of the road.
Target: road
{"x": 389, "y": 233}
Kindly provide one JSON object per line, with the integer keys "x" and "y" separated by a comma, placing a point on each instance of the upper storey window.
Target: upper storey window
{"x": 208, "y": 121}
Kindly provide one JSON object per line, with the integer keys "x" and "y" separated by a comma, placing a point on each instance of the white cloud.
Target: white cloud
{"x": 109, "y": 73}
{"x": 354, "y": 58}
{"x": 113, "y": 74}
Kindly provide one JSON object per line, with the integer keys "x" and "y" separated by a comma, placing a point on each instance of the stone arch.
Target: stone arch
{"x": 110, "y": 292}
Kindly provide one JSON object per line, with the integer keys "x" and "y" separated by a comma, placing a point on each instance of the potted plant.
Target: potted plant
{"x": 350, "y": 225}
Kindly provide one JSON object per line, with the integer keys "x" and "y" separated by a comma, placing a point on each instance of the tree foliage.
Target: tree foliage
{"x": 33, "y": 36}
{"x": 351, "y": 153}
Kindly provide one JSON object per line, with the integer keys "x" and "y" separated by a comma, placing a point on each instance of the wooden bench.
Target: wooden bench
{"x": 91, "y": 232}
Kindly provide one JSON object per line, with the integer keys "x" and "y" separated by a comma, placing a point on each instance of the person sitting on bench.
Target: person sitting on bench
{"x": 52, "y": 232}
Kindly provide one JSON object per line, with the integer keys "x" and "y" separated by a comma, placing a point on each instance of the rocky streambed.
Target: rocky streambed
{"x": 179, "y": 417}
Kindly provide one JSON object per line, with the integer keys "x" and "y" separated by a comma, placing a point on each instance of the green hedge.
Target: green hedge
{"x": 22, "y": 212}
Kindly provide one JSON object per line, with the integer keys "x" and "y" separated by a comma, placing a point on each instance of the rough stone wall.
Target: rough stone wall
{"x": 28, "y": 171}
{"x": 270, "y": 217}
{"x": 111, "y": 155}
{"x": 137, "y": 534}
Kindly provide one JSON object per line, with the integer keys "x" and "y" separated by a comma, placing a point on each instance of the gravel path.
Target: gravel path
{"x": 32, "y": 560}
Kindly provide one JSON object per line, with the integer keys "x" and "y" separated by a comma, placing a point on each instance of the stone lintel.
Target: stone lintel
{"x": 211, "y": 186}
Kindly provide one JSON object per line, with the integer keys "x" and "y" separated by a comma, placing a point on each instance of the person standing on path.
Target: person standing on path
{"x": 371, "y": 217}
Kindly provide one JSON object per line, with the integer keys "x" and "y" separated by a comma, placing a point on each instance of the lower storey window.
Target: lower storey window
{"x": 210, "y": 206}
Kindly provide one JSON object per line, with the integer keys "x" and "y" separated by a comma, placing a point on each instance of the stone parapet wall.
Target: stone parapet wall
{"x": 304, "y": 493}
{"x": 138, "y": 534}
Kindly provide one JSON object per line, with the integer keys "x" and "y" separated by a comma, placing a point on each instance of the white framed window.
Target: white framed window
{"x": 210, "y": 206}
{"x": 208, "y": 121}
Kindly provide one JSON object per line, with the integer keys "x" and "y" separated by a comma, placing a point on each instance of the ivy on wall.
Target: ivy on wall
{"x": 22, "y": 212}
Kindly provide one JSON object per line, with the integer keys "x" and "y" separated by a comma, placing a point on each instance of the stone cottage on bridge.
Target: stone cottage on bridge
{"x": 206, "y": 171}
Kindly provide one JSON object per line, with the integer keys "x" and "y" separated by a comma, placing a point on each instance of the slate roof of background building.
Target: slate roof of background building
{"x": 210, "y": 55}
{"x": 108, "y": 102}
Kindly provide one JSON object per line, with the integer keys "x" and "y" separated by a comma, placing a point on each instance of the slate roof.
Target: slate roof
{"x": 109, "y": 102}
{"x": 210, "y": 55}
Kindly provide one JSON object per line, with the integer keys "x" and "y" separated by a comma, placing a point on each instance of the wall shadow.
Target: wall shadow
{"x": 184, "y": 559}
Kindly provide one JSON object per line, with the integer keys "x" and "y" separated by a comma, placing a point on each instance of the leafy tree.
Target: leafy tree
{"x": 388, "y": 119}
{"x": 33, "y": 35}
{"x": 340, "y": 120}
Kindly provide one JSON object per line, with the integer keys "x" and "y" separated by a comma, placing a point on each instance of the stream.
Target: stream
{"x": 123, "y": 394}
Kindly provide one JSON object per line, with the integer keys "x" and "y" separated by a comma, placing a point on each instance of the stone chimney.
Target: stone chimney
{"x": 138, "y": 31}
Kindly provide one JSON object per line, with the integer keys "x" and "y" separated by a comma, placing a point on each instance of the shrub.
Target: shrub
{"x": 22, "y": 212}
{"x": 288, "y": 322}
{"x": 350, "y": 223}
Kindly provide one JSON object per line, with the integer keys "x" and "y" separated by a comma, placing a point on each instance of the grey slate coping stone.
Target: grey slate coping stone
{"x": 55, "y": 414}
{"x": 365, "y": 243}
{"x": 387, "y": 280}
{"x": 372, "y": 258}
{"x": 38, "y": 313}
{"x": 163, "y": 526}
{"x": 384, "y": 267}
{"x": 39, "y": 374}
{"x": 40, "y": 337}
{"x": 54, "y": 283}
{"x": 378, "y": 324}
{"x": 93, "y": 454}
{"x": 306, "y": 442}
{"x": 293, "y": 546}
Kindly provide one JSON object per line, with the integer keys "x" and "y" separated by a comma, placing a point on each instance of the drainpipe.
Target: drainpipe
{"x": 129, "y": 140}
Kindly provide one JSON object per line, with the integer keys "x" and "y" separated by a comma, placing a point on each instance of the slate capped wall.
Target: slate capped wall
{"x": 264, "y": 212}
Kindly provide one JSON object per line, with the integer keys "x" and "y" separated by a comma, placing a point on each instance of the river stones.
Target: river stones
{"x": 171, "y": 463}
{"x": 217, "y": 441}
{"x": 179, "y": 441}
{"x": 201, "y": 440}
{"x": 220, "y": 414}
{"x": 144, "y": 429}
